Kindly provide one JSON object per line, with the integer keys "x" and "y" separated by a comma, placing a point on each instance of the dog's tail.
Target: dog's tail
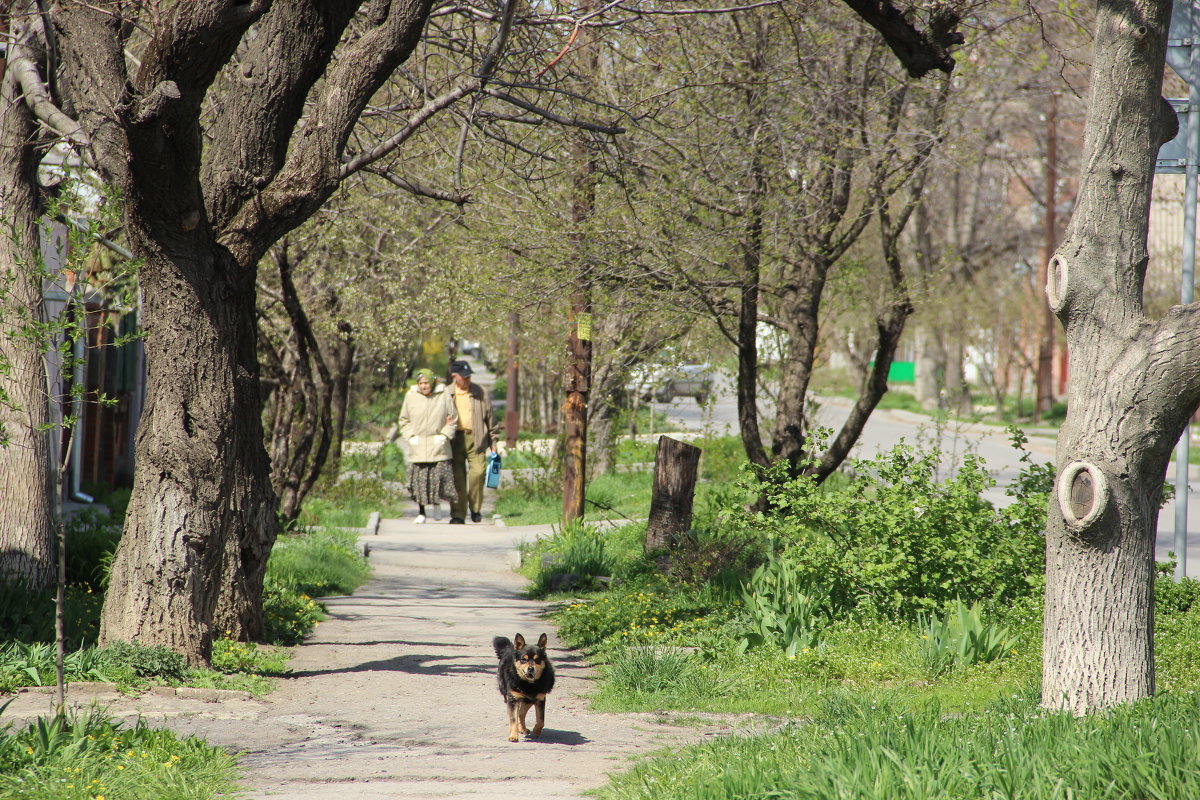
{"x": 502, "y": 645}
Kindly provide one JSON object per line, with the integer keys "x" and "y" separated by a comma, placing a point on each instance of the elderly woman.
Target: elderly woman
{"x": 428, "y": 420}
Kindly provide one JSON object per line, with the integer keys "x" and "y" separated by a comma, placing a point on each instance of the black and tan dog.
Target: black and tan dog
{"x": 525, "y": 678}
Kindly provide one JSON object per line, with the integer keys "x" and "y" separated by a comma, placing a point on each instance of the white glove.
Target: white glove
{"x": 439, "y": 439}
{"x": 414, "y": 440}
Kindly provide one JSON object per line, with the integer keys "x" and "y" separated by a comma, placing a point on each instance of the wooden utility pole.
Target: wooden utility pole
{"x": 1045, "y": 362}
{"x": 512, "y": 410}
{"x": 578, "y": 375}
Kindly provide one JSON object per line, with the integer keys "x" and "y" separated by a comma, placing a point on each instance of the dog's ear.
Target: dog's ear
{"x": 542, "y": 641}
{"x": 518, "y": 641}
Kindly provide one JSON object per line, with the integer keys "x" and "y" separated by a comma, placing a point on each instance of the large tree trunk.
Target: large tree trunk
{"x": 26, "y": 477}
{"x": 1137, "y": 383}
{"x": 801, "y": 303}
{"x": 201, "y": 521}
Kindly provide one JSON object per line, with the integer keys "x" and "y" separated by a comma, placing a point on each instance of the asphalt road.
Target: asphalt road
{"x": 887, "y": 428}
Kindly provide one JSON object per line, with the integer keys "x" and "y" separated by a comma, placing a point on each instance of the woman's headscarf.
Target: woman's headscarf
{"x": 427, "y": 374}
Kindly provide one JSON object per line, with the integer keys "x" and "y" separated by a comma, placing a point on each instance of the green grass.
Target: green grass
{"x": 866, "y": 747}
{"x": 613, "y": 496}
{"x": 301, "y": 567}
{"x": 90, "y": 757}
{"x": 319, "y": 563}
{"x": 349, "y": 503}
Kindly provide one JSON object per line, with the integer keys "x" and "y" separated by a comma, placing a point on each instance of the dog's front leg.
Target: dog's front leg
{"x": 541, "y": 717}
{"x": 521, "y": 712}
{"x": 514, "y": 724}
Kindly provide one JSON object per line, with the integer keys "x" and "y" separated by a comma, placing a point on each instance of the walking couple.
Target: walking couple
{"x": 450, "y": 431}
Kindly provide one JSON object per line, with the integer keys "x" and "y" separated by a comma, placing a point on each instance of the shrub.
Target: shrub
{"x": 130, "y": 662}
{"x": 92, "y": 538}
{"x": 960, "y": 639}
{"x": 899, "y": 540}
{"x": 230, "y": 656}
{"x": 289, "y": 615}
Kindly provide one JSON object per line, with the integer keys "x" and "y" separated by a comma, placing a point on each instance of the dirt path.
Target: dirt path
{"x": 394, "y": 696}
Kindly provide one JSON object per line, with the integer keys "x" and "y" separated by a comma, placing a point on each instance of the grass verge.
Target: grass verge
{"x": 90, "y": 757}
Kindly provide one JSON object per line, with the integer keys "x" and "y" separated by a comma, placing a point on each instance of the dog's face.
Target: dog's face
{"x": 530, "y": 661}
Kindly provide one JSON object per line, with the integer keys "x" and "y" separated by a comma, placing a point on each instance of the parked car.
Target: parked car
{"x": 689, "y": 380}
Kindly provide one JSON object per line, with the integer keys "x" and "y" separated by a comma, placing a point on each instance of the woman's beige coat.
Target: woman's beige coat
{"x": 423, "y": 423}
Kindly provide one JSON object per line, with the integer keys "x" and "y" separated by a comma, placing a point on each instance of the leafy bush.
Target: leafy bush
{"x": 898, "y": 540}
{"x": 230, "y": 656}
{"x": 27, "y": 616}
{"x": 89, "y": 756}
{"x": 130, "y": 662}
{"x": 92, "y": 538}
{"x": 35, "y": 665}
{"x": 786, "y": 607}
{"x": 289, "y": 615}
{"x": 962, "y": 638}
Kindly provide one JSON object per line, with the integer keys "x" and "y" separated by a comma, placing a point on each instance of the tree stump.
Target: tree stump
{"x": 675, "y": 464}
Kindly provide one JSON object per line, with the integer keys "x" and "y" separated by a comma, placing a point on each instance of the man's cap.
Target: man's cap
{"x": 460, "y": 368}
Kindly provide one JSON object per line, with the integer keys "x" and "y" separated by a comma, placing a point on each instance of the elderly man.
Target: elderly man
{"x": 477, "y": 433}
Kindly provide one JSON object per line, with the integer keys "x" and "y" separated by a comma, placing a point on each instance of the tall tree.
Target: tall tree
{"x": 26, "y": 499}
{"x": 1134, "y": 385}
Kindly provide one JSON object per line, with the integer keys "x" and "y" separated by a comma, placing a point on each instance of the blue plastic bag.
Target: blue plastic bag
{"x": 493, "y": 471}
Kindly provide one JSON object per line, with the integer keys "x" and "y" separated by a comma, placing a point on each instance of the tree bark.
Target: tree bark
{"x": 675, "y": 469}
{"x": 26, "y": 476}
{"x": 930, "y": 362}
{"x": 1136, "y": 384}
{"x": 202, "y": 207}
{"x": 1045, "y": 357}
{"x": 202, "y": 516}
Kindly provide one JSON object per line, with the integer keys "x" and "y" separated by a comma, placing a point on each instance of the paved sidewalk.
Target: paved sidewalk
{"x": 394, "y": 696}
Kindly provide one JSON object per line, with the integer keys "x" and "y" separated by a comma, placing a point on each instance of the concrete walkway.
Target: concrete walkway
{"x": 394, "y": 696}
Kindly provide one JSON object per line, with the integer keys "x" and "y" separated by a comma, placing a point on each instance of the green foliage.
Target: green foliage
{"x": 34, "y": 665}
{"x": 92, "y": 538}
{"x": 646, "y": 613}
{"x": 786, "y": 607}
{"x": 27, "y": 616}
{"x": 962, "y": 638}
{"x": 348, "y": 503}
{"x": 899, "y": 540}
{"x": 721, "y": 457}
{"x": 289, "y": 615}
{"x": 575, "y": 548}
{"x": 870, "y": 749}
{"x": 660, "y": 670}
{"x": 320, "y": 563}
{"x": 386, "y": 464}
{"x": 89, "y": 756}
{"x": 130, "y": 662}
{"x": 229, "y": 656}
